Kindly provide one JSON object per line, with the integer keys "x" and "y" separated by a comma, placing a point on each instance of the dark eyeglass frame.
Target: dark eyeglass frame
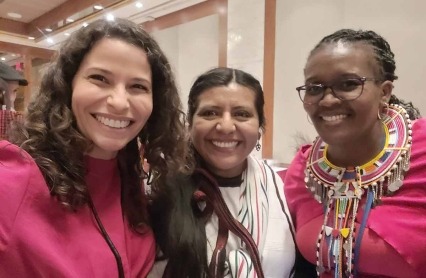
{"x": 325, "y": 87}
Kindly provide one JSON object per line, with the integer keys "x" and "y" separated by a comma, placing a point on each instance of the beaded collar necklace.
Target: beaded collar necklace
{"x": 342, "y": 189}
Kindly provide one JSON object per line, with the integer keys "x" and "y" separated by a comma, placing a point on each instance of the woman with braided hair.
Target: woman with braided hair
{"x": 357, "y": 195}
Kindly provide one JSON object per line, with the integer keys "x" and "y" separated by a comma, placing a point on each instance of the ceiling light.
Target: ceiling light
{"x": 139, "y": 5}
{"x": 48, "y": 30}
{"x": 3, "y": 59}
{"x": 49, "y": 40}
{"x": 70, "y": 20}
{"x": 98, "y": 7}
{"x": 31, "y": 38}
{"x": 85, "y": 24}
{"x": 110, "y": 17}
{"x": 67, "y": 34}
{"x": 14, "y": 15}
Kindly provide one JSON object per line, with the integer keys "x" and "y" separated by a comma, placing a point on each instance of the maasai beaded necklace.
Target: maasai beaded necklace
{"x": 342, "y": 189}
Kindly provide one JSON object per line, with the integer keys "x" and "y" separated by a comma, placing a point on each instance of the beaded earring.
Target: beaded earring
{"x": 258, "y": 146}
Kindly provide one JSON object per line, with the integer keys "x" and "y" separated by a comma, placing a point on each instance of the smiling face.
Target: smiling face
{"x": 346, "y": 122}
{"x": 112, "y": 95}
{"x": 225, "y": 128}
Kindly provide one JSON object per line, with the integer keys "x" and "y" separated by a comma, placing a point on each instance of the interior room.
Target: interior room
{"x": 268, "y": 38}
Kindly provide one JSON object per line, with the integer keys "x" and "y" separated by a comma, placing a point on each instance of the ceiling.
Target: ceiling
{"x": 43, "y": 24}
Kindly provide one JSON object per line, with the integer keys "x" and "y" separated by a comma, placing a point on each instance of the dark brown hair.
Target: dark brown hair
{"x": 50, "y": 134}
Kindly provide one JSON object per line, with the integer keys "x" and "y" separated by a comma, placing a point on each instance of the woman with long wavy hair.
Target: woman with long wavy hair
{"x": 72, "y": 202}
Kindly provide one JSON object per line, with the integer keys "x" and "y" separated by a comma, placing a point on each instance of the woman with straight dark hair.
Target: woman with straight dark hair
{"x": 230, "y": 218}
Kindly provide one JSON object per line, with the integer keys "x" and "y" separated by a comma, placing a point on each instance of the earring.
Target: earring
{"x": 258, "y": 146}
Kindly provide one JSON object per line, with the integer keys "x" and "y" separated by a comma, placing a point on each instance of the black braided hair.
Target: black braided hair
{"x": 384, "y": 56}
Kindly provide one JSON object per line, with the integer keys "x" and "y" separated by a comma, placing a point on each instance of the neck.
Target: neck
{"x": 358, "y": 152}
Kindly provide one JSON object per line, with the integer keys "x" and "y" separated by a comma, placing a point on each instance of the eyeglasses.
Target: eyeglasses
{"x": 344, "y": 89}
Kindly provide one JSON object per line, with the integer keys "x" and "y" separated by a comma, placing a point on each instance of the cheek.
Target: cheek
{"x": 309, "y": 109}
{"x": 144, "y": 104}
{"x": 197, "y": 131}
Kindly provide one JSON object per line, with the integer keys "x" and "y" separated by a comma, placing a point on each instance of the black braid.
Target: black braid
{"x": 384, "y": 57}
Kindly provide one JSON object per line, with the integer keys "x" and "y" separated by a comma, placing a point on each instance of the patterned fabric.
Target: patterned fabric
{"x": 6, "y": 118}
{"x": 255, "y": 204}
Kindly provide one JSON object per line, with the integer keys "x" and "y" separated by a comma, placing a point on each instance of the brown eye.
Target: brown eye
{"x": 347, "y": 85}
{"x": 314, "y": 89}
{"x": 98, "y": 77}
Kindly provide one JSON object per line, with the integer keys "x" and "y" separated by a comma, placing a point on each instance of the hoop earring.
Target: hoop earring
{"x": 258, "y": 146}
{"x": 309, "y": 119}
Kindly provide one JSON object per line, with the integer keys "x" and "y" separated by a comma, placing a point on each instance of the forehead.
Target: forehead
{"x": 341, "y": 58}
{"x": 227, "y": 96}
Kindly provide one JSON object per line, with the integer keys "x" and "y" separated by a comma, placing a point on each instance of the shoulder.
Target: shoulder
{"x": 419, "y": 129}
{"x": 297, "y": 166}
{"x": 17, "y": 170}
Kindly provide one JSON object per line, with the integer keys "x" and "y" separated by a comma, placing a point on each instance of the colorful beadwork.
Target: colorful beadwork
{"x": 342, "y": 189}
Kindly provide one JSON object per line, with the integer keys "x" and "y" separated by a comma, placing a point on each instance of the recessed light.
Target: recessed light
{"x": 70, "y": 20}
{"x": 110, "y": 17}
{"x": 98, "y": 7}
{"x": 139, "y": 5}
{"x": 3, "y": 59}
{"x": 14, "y": 15}
{"x": 48, "y": 29}
{"x": 49, "y": 40}
{"x": 85, "y": 24}
{"x": 31, "y": 38}
{"x": 67, "y": 34}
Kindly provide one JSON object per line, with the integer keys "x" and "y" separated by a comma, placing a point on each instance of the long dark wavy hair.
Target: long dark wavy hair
{"x": 50, "y": 134}
{"x": 385, "y": 58}
{"x": 179, "y": 225}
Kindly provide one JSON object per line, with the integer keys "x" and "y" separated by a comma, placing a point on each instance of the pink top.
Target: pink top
{"x": 394, "y": 242}
{"x": 39, "y": 238}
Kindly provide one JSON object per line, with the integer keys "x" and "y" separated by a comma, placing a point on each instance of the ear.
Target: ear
{"x": 386, "y": 90}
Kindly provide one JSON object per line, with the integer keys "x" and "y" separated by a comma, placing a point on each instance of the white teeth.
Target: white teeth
{"x": 112, "y": 123}
{"x": 222, "y": 144}
{"x": 333, "y": 118}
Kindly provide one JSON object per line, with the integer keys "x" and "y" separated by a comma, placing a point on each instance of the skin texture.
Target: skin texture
{"x": 113, "y": 82}
{"x": 356, "y": 135}
{"x": 225, "y": 128}
{"x": 10, "y": 95}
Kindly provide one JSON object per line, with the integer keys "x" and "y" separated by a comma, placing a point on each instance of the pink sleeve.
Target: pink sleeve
{"x": 15, "y": 169}
{"x": 303, "y": 207}
{"x": 150, "y": 257}
{"x": 401, "y": 218}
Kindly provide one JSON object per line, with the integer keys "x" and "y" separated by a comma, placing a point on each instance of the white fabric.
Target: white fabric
{"x": 272, "y": 232}
{"x": 275, "y": 242}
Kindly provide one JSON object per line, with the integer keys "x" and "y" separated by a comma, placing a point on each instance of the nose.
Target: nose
{"x": 118, "y": 100}
{"x": 226, "y": 124}
{"x": 328, "y": 98}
